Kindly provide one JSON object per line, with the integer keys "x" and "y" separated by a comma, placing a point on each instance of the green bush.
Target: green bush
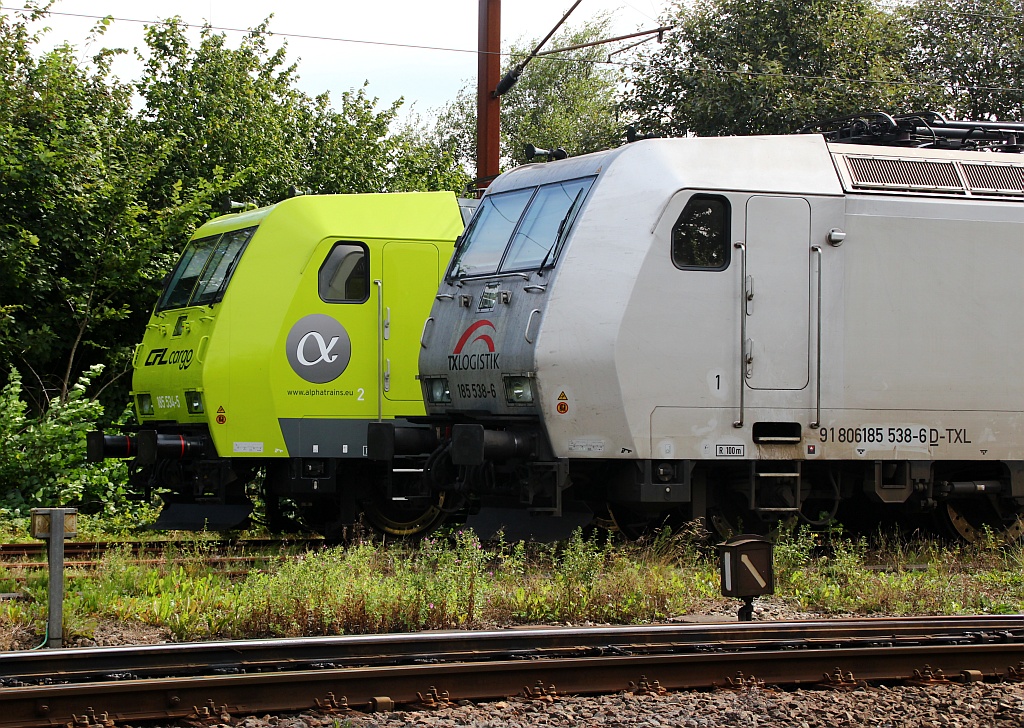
{"x": 43, "y": 459}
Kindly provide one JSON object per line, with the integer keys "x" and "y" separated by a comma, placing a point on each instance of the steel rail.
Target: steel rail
{"x": 495, "y": 665}
{"x": 381, "y": 688}
{"x": 184, "y": 659}
{"x": 139, "y": 547}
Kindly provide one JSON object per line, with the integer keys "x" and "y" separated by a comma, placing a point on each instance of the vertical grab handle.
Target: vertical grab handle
{"x": 741, "y": 381}
{"x": 380, "y": 348}
{"x": 426, "y": 327}
{"x": 816, "y": 251}
{"x": 529, "y": 323}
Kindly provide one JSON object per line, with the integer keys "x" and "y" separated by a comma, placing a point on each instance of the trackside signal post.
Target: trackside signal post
{"x": 55, "y": 525}
{"x": 745, "y": 563}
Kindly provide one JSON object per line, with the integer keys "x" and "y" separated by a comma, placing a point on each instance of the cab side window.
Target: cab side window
{"x": 700, "y": 237}
{"x": 202, "y": 274}
{"x": 344, "y": 276}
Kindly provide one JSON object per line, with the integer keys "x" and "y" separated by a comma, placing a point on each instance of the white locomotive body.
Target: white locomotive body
{"x": 746, "y": 328}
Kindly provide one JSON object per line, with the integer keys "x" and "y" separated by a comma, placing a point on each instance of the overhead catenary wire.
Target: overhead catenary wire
{"x": 552, "y": 56}
{"x": 246, "y": 31}
{"x": 416, "y": 46}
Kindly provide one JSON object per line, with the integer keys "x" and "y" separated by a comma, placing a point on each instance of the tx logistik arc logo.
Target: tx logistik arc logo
{"x": 318, "y": 348}
{"x": 458, "y": 362}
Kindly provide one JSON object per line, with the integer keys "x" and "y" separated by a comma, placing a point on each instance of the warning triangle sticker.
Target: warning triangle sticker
{"x": 562, "y": 396}
{"x": 220, "y": 410}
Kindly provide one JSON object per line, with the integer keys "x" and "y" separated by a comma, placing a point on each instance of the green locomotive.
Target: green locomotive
{"x": 278, "y": 336}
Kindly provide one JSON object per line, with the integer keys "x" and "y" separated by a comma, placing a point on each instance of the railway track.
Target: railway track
{"x": 228, "y": 557}
{"x": 141, "y": 548}
{"x": 378, "y": 672}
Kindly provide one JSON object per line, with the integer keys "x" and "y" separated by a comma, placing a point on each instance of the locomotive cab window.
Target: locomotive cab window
{"x": 700, "y": 237}
{"x": 519, "y": 230}
{"x": 344, "y": 275}
{"x": 549, "y": 217}
{"x": 483, "y": 244}
{"x": 202, "y": 274}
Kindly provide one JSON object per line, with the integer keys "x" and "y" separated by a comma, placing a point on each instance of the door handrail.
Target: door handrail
{"x": 743, "y": 328}
{"x": 380, "y": 348}
{"x": 816, "y": 251}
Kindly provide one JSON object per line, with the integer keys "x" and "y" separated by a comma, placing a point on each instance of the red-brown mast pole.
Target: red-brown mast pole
{"x": 488, "y": 129}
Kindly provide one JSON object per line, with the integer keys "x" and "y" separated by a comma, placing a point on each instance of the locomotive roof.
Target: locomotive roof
{"x": 398, "y": 215}
{"x": 793, "y": 164}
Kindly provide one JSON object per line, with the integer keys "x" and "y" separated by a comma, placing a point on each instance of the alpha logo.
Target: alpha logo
{"x": 318, "y": 348}
{"x": 457, "y": 361}
{"x": 159, "y": 357}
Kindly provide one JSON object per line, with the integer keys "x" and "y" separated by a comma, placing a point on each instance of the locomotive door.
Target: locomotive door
{"x": 409, "y": 284}
{"x": 777, "y": 293}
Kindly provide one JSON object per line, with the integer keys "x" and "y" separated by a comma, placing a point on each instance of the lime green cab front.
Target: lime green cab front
{"x": 278, "y": 336}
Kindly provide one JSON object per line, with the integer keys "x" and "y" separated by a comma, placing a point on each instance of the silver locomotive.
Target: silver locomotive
{"x": 742, "y": 329}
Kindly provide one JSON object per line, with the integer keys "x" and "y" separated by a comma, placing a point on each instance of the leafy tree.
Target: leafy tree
{"x": 565, "y": 99}
{"x": 351, "y": 147}
{"x": 736, "y": 67}
{"x": 228, "y": 116}
{"x": 971, "y": 56}
{"x": 422, "y": 163}
{"x": 236, "y": 123}
{"x": 75, "y": 232}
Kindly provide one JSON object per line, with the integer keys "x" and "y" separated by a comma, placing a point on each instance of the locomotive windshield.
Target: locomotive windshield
{"x": 519, "y": 230}
{"x": 202, "y": 274}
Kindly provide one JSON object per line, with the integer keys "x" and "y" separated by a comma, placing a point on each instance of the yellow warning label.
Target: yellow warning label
{"x": 562, "y": 396}
{"x": 220, "y": 410}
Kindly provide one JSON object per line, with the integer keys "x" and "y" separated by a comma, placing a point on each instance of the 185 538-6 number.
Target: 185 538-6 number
{"x": 477, "y": 391}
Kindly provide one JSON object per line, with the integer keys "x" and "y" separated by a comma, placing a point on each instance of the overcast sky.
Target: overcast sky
{"x": 328, "y": 63}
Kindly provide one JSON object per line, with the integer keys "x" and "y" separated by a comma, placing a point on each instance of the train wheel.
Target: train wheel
{"x": 409, "y": 519}
{"x": 976, "y": 518}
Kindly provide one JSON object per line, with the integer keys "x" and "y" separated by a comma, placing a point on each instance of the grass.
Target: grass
{"x": 454, "y": 581}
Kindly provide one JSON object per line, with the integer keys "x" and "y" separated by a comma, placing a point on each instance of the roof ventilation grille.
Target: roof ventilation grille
{"x": 994, "y": 179}
{"x": 904, "y": 174}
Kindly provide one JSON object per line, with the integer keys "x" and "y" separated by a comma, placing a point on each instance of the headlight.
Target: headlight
{"x": 518, "y": 390}
{"x": 145, "y": 404}
{"x": 194, "y": 402}
{"x": 437, "y": 390}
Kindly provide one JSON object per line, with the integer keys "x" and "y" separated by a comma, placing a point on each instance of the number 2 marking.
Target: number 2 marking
{"x": 361, "y": 393}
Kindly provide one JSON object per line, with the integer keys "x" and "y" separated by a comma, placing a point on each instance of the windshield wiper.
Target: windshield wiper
{"x": 561, "y": 231}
